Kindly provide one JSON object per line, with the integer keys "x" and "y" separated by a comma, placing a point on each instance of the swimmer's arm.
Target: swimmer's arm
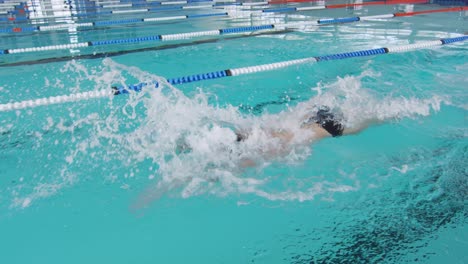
{"x": 284, "y": 137}
{"x": 360, "y": 127}
{"x": 353, "y": 130}
{"x": 247, "y": 163}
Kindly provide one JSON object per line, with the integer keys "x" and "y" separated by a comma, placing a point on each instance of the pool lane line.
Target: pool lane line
{"x": 283, "y": 64}
{"x": 69, "y": 7}
{"x": 168, "y": 37}
{"x": 93, "y": 5}
{"x": 141, "y": 10}
{"x": 122, "y": 5}
{"x": 130, "y": 11}
{"x": 106, "y": 54}
{"x": 390, "y": 2}
{"x": 286, "y": 9}
{"x": 217, "y": 32}
{"x": 97, "y": 24}
{"x": 128, "y": 7}
{"x": 450, "y": 9}
{"x": 116, "y": 90}
{"x": 25, "y": 8}
{"x": 335, "y": 6}
{"x": 125, "y": 4}
{"x": 387, "y": 2}
{"x": 5, "y": 10}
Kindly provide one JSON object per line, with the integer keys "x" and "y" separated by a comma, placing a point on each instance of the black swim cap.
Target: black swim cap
{"x": 326, "y": 119}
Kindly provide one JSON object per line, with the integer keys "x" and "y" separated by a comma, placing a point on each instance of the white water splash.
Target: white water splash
{"x": 193, "y": 142}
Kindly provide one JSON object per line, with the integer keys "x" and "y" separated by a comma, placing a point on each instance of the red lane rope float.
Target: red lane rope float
{"x": 452, "y": 9}
{"x": 278, "y": 2}
{"x": 393, "y": 2}
{"x": 388, "y": 2}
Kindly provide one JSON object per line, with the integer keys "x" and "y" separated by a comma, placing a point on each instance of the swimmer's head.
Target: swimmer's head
{"x": 327, "y": 120}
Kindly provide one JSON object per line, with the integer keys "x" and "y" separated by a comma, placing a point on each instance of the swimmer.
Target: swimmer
{"x": 317, "y": 125}
{"x": 322, "y": 124}
{"x": 263, "y": 142}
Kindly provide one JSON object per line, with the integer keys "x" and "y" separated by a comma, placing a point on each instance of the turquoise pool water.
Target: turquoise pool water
{"x": 105, "y": 181}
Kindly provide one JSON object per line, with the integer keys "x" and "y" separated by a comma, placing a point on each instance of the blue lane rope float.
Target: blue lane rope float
{"x": 226, "y": 31}
{"x": 338, "y": 20}
{"x": 106, "y": 23}
{"x": 10, "y": 5}
{"x": 133, "y": 4}
{"x": 224, "y": 73}
{"x": 168, "y": 37}
{"x": 112, "y": 12}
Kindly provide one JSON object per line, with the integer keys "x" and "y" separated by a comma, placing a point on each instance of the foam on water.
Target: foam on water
{"x": 186, "y": 145}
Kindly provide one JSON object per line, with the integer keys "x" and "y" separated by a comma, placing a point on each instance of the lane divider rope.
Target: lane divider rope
{"x": 388, "y": 2}
{"x": 136, "y": 3}
{"x": 127, "y": 7}
{"x": 335, "y": 6}
{"x": 182, "y": 17}
{"x": 106, "y": 23}
{"x": 93, "y": 5}
{"x": 178, "y": 36}
{"x": 140, "y": 10}
{"x": 224, "y": 73}
{"x": 218, "y": 32}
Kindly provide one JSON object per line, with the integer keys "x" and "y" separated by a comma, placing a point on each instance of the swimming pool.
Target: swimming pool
{"x": 104, "y": 180}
